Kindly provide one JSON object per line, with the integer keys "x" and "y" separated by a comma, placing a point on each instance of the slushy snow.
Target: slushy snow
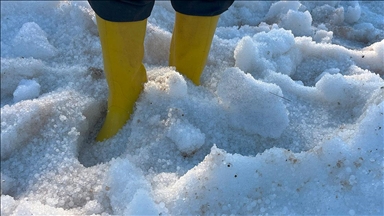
{"x": 288, "y": 119}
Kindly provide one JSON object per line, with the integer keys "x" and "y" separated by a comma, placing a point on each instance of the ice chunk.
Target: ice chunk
{"x": 328, "y": 71}
{"x": 323, "y": 36}
{"x": 353, "y": 13}
{"x": 299, "y": 22}
{"x": 187, "y": 138}
{"x": 245, "y": 54}
{"x": 275, "y": 42}
{"x": 274, "y": 50}
{"x": 349, "y": 91}
{"x": 287, "y": 15}
{"x": 253, "y": 106}
{"x": 281, "y": 7}
{"x": 27, "y": 89}
{"x": 336, "y": 89}
{"x": 8, "y": 205}
{"x": 124, "y": 181}
{"x": 31, "y": 41}
{"x": 93, "y": 207}
{"x": 371, "y": 58}
{"x": 142, "y": 204}
{"x": 166, "y": 82}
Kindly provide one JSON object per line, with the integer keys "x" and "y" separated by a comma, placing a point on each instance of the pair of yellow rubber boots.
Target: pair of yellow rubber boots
{"x": 123, "y": 51}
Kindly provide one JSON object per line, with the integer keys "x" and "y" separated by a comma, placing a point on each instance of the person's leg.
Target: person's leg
{"x": 194, "y": 28}
{"x": 122, "y": 27}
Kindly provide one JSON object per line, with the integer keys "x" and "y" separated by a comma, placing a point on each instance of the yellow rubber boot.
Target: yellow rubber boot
{"x": 191, "y": 41}
{"x": 123, "y": 51}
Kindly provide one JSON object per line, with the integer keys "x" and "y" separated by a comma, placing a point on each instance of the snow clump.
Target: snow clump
{"x": 252, "y": 105}
{"x": 27, "y": 89}
{"x": 31, "y": 41}
{"x": 187, "y": 138}
{"x": 274, "y": 50}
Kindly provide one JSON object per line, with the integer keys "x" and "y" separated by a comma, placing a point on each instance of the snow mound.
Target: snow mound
{"x": 278, "y": 175}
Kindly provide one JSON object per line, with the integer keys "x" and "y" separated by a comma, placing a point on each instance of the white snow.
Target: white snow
{"x": 288, "y": 119}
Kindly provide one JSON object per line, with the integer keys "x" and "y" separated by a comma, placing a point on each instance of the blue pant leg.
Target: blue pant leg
{"x": 122, "y": 10}
{"x": 201, "y": 7}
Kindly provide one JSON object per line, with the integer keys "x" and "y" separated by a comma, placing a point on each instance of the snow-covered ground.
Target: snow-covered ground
{"x": 288, "y": 119}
